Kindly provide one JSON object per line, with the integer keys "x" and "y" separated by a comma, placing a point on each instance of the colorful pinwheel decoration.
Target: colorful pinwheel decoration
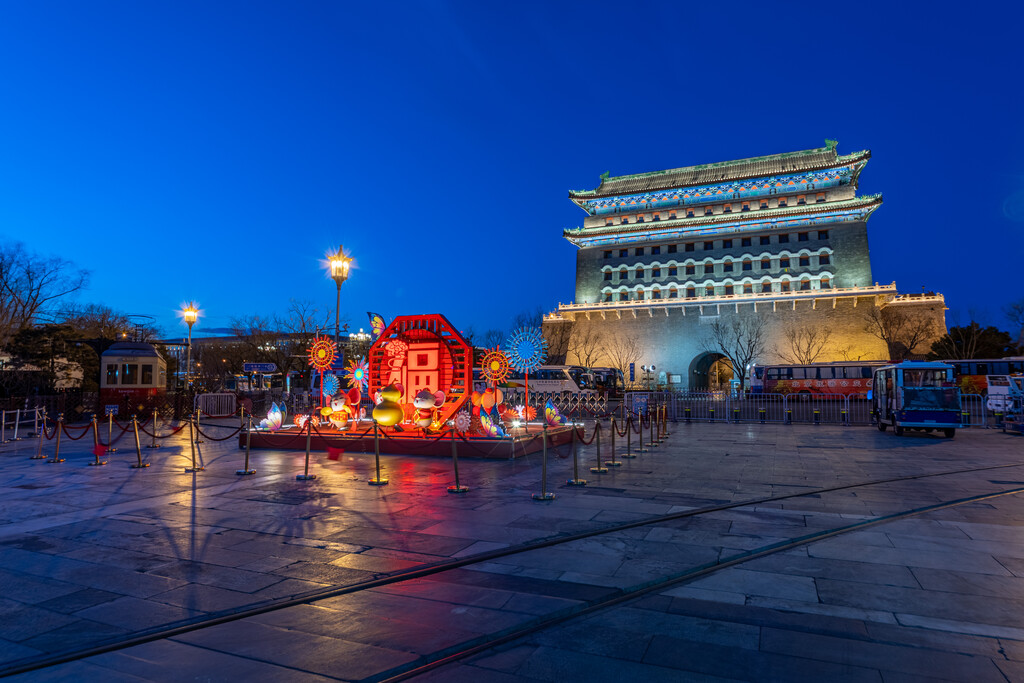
{"x": 330, "y": 384}
{"x": 527, "y": 349}
{"x": 495, "y": 366}
{"x": 321, "y": 353}
{"x": 358, "y": 374}
{"x": 462, "y": 421}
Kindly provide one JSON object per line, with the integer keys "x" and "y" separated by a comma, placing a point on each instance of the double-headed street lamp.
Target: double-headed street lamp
{"x": 339, "y": 264}
{"x": 190, "y": 313}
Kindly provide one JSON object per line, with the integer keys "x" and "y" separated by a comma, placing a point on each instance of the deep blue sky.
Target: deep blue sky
{"x": 215, "y": 151}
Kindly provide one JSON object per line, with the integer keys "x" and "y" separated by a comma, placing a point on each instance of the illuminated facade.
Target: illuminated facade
{"x": 783, "y": 236}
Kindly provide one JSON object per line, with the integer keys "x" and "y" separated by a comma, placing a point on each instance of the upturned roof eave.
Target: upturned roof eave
{"x": 579, "y": 197}
{"x": 867, "y": 201}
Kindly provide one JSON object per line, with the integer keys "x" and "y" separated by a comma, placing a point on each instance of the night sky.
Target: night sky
{"x": 217, "y": 150}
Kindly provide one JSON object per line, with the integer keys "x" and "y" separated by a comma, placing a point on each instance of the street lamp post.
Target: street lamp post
{"x": 190, "y": 313}
{"x": 339, "y": 273}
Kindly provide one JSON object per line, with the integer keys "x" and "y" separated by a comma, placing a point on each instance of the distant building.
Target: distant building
{"x": 785, "y": 236}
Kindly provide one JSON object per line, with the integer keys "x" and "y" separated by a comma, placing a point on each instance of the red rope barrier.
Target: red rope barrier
{"x": 84, "y": 429}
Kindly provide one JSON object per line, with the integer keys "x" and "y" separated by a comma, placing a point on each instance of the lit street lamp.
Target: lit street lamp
{"x": 191, "y": 314}
{"x": 339, "y": 273}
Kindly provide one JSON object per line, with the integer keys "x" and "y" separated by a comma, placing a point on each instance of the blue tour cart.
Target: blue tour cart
{"x": 916, "y": 395}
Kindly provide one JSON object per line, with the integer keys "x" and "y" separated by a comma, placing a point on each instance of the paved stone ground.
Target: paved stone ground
{"x": 89, "y": 554}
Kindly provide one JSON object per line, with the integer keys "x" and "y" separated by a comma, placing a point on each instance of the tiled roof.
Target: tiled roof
{"x": 865, "y": 201}
{"x": 773, "y": 164}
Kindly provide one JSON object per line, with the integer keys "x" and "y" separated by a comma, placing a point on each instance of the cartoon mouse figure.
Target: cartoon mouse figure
{"x": 426, "y": 405}
{"x": 344, "y": 407}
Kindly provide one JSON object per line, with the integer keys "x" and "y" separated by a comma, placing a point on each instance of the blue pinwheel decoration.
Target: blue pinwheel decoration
{"x": 526, "y": 349}
{"x": 330, "y": 385}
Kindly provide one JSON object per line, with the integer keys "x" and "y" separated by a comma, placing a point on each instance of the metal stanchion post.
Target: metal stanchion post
{"x": 845, "y": 417}
{"x": 711, "y": 413}
{"x": 248, "y": 439}
{"x": 306, "y": 476}
{"x": 686, "y": 412}
{"x": 575, "y": 481}
{"x": 640, "y": 434}
{"x": 96, "y": 444}
{"x": 789, "y": 416}
{"x": 60, "y": 427}
{"x": 613, "y": 462}
{"x": 629, "y": 450}
{"x": 3, "y": 426}
{"x": 817, "y": 416}
{"x": 39, "y": 432}
{"x": 600, "y": 469}
{"x": 110, "y": 433}
{"x": 17, "y": 423}
{"x": 198, "y": 432}
{"x": 138, "y": 445}
{"x": 154, "y": 444}
{"x": 35, "y": 421}
{"x": 760, "y": 415}
{"x": 376, "y": 457}
{"x": 138, "y": 465}
{"x": 650, "y": 431}
{"x": 544, "y": 493}
{"x": 458, "y": 488}
{"x": 192, "y": 444}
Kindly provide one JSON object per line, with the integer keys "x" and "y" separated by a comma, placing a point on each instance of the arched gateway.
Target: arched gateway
{"x": 710, "y": 371}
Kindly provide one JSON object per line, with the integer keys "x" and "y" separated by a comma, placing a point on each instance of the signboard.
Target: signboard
{"x": 110, "y": 410}
{"x": 259, "y": 367}
{"x": 632, "y": 372}
{"x": 640, "y": 404}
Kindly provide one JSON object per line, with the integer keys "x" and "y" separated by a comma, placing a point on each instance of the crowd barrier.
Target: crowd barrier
{"x": 838, "y": 409}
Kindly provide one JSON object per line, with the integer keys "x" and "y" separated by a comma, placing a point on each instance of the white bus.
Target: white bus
{"x": 549, "y": 379}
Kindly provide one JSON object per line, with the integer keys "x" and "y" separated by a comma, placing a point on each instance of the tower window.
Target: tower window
{"x": 623, "y": 252}
{"x": 672, "y": 271}
{"x": 639, "y": 251}
{"x": 671, "y": 248}
{"x": 689, "y": 246}
{"x": 747, "y": 265}
{"x": 766, "y": 263}
{"x": 608, "y": 275}
{"x": 608, "y": 253}
{"x": 655, "y": 272}
{"x": 726, "y": 244}
{"x": 655, "y": 251}
{"x": 728, "y": 290}
{"x": 783, "y": 262}
{"x": 805, "y": 261}
{"x": 823, "y": 234}
{"x": 765, "y": 239}
{"x": 727, "y": 267}
{"x": 691, "y": 270}
{"x": 802, "y": 236}
{"x": 745, "y": 242}
{"x": 708, "y": 246}
{"x": 824, "y": 260}
{"x": 783, "y": 239}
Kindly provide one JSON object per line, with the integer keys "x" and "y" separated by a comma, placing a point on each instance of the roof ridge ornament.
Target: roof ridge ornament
{"x": 831, "y": 145}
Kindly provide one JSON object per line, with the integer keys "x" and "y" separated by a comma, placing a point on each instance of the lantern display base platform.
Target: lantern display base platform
{"x": 412, "y": 441}
{"x": 544, "y": 496}
{"x": 378, "y": 482}
{"x": 575, "y": 482}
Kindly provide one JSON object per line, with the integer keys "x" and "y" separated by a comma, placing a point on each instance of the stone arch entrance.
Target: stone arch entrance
{"x": 710, "y": 371}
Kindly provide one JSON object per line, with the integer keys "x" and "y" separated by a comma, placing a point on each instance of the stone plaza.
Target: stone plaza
{"x": 727, "y": 552}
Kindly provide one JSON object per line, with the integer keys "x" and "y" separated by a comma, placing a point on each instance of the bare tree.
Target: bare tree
{"x": 1015, "y": 316}
{"x": 529, "y": 318}
{"x": 585, "y": 343}
{"x": 741, "y": 339}
{"x": 558, "y": 333}
{"x": 96, "y": 321}
{"x": 804, "y": 343}
{"x": 493, "y": 338}
{"x": 901, "y": 331}
{"x": 622, "y": 350}
{"x": 31, "y": 286}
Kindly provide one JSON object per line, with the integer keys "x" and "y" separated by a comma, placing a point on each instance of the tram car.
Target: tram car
{"x": 133, "y": 378}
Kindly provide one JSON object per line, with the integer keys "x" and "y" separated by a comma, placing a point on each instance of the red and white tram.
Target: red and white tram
{"x": 133, "y": 377}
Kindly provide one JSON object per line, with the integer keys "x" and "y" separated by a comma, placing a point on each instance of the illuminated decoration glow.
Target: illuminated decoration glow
{"x": 527, "y": 412}
{"x": 490, "y": 424}
{"x": 330, "y": 384}
{"x": 527, "y": 349}
{"x": 275, "y": 418}
{"x": 857, "y": 209}
{"x": 552, "y": 415}
{"x": 462, "y": 421}
{"x": 495, "y": 366}
{"x": 358, "y": 374}
{"x": 377, "y": 324}
{"x": 421, "y": 352}
{"x": 321, "y": 353}
{"x": 300, "y": 420}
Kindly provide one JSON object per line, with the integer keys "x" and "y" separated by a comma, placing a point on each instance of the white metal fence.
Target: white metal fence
{"x": 713, "y": 406}
{"x": 18, "y": 424}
